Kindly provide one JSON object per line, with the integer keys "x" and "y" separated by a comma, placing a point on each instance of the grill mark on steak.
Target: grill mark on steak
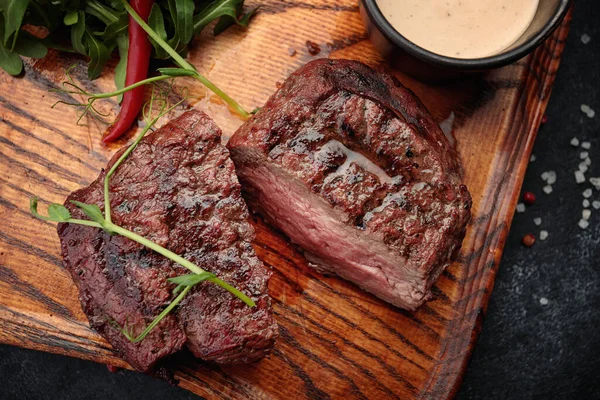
{"x": 178, "y": 189}
{"x": 392, "y": 228}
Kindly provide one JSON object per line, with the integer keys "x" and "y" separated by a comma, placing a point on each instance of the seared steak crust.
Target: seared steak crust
{"x": 352, "y": 167}
{"x": 178, "y": 189}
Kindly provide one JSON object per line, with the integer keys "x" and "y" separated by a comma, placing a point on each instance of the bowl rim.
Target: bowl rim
{"x": 473, "y": 64}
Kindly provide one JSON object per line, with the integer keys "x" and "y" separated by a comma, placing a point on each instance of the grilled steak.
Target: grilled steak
{"x": 179, "y": 189}
{"x": 352, "y": 168}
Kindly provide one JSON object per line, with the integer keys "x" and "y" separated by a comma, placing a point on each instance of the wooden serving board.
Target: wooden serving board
{"x": 336, "y": 341}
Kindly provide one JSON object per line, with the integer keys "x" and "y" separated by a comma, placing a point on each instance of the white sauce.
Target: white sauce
{"x": 447, "y": 125}
{"x": 397, "y": 198}
{"x": 335, "y": 147}
{"x": 460, "y": 28}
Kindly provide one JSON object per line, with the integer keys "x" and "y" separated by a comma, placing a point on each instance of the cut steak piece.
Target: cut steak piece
{"x": 353, "y": 169}
{"x": 177, "y": 188}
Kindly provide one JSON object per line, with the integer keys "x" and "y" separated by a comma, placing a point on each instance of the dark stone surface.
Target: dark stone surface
{"x": 526, "y": 349}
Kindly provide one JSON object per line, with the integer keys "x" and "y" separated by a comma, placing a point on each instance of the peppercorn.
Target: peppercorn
{"x": 528, "y": 198}
{"x": 112, "y": 368}
{"x": 528, "y": 240}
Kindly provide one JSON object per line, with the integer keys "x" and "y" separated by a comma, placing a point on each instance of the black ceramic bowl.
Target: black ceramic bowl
{"x": 425, "y": 65}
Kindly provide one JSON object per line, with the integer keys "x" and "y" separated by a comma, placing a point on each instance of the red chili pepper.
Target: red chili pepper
{"x": 138, "y": 58}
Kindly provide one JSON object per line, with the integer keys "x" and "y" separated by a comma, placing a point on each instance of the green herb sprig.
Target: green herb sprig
{"x": 59, "y": 213}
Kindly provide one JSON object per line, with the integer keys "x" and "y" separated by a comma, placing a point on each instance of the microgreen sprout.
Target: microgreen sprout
{"x": 97, "y": 219}
{"x": 70, "y": 87}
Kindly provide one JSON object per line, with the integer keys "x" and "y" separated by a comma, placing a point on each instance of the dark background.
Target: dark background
{"x": 526, "y": 349}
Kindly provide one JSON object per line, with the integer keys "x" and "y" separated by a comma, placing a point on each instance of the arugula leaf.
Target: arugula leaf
{"x": 226, "y": 21}
{"x": 216, "y": 10}
{"x": 157, "y": 23}
{"x": 183, "y": 19}
{"x": 104, "y": 13}
{"x": 14, "y": 11}
{"x": 244, "y": 20}
{"x": 115, "y": 28}
{"x": 71, "y": 18}
{"x": 91, "y": 210}
{"x": 58, "y": 213}
{"x": 121, "y": 68}
{"x": 99, "y": 54}
{"x": 30, "y": 46}
{"x": 42, "y": 16}
{"x": 95, "y": 26}
{"x": 10, "y": 62}
{"x": 77, "y": 32}
{"x": 175, "y": 41}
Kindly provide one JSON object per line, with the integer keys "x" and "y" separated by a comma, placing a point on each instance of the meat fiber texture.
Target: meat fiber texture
{"x": 350, "y": 165}
{"x": 177, "y": 188}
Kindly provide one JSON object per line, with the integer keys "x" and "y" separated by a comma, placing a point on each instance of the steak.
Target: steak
{"x": 350, "y": 165}
{"x": 178, "y": 189}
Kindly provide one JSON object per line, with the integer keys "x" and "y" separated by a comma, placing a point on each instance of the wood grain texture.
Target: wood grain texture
{"x": 336, "y": 341}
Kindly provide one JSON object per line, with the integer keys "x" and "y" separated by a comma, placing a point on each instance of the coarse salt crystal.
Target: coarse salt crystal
{"x": 585, "y": 38}
{"x": 583, "y": 167}
{"x": 587, "y": 193}
{"x": 579, "y": 176}
{"x": 588, "y": 161}
{"x": 584, "y": 108}
{"x": 551, "y": 179}
{"x": 596, "y": 204}
{"x": 586, "y": 203}
{"x": 520, "y": 207}
{"x": 544, "y": 176}
{"x": 543, "y": 235}
{"x": 586, "y": 145}
{"x": 583, "y": 155}
{"x": 596, "y": 182}
{"x": 586, "y": 214}
{"x": 591, "y": 113}
{"x": 532, "y": 158}
{"x": 547, "y": 189}
{"x": 537, "y": 221}
{"x": 543, "y": 301}
{"x": 574, "y": 142}
{"x": 583, "y": 224}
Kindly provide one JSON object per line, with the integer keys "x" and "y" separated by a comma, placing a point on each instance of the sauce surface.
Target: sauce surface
{"x": 460, "y": 28}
